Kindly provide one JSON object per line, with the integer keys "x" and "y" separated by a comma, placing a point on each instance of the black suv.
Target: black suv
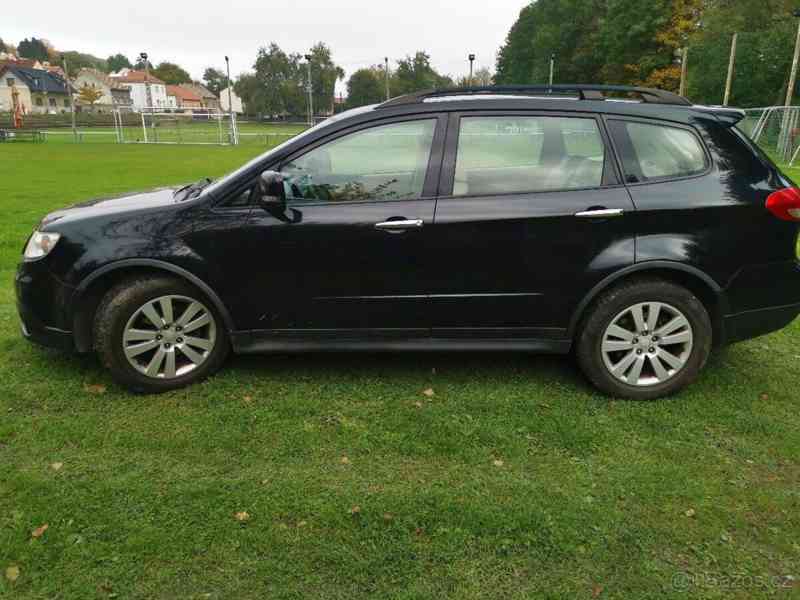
{"x": 638, "y": 233}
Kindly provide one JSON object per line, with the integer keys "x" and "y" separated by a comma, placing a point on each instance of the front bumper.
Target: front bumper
{"x": 42, "y": 304}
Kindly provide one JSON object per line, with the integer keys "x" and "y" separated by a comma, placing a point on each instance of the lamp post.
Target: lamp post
{"x": 552, "y": 67}
{"x": 147, "y": 93}
{"x": 310, "y": 92}
{"x": 471, "y": 63}
{"x": 785, "y": 137}
{"x": 386, "y": 63}
{"x": 69, "y": 93}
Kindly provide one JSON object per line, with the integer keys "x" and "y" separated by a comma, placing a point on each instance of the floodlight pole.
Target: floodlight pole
{"x": 552, "y": 68}
{"x": 310, "y": 93}
{"x": 471, "y": 63}
{"x": 71, "y": 98}
{"x": 148, "y": 96}
{"x": 386, "y": 63}
{"x": 228, "y": 67}
{"x": 731, "y": 65}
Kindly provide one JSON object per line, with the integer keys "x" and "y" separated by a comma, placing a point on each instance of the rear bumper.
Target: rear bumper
{"x": 41, "y": 302}
{"x": 754, "y": 323}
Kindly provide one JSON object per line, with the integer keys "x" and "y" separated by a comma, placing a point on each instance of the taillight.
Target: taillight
{"x": 785, "y": 204}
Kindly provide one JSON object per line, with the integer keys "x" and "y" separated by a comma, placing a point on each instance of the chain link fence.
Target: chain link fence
{"x": 776, "y": 129}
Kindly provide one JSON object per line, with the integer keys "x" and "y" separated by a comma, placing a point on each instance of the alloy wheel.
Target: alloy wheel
{"x": 647, "y": 344}
{"x": 169, "y": 337}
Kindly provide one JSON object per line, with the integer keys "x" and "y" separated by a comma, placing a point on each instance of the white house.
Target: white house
{"x": 137, "y": 82}
{"x": 235, "y": 101}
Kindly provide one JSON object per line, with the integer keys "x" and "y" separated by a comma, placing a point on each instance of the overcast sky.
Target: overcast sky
{"x": 200, "y": 33}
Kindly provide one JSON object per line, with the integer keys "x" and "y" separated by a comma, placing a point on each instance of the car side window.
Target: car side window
{"x": 501, "y": 155}
{"x": 388, "y": 162}
{"x": 653, "y": 152}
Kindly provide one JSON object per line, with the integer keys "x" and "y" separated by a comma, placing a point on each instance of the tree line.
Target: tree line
{"x": 639, "y": 42}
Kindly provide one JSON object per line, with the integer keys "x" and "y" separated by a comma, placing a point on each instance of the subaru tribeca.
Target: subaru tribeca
{"x": 640, "y": 234}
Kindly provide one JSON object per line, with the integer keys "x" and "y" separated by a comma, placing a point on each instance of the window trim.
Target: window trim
{"x": 620, "y": 148}
{"x": 611, "y": 174}
{"x": 431, "y": 170}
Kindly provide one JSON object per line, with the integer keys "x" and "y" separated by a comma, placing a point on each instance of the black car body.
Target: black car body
{"x": 484, "y": 255}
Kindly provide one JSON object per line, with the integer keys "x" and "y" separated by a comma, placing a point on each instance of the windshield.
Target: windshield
{"x": 222, "y": 181}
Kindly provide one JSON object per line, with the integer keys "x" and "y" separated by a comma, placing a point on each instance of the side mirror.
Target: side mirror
{"x": 270, "y": 193}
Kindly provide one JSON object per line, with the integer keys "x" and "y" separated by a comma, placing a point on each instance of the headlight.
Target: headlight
{"x": 40, "y": 245}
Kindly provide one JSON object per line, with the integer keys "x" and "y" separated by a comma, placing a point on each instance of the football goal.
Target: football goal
{"x": 160, "y": 126}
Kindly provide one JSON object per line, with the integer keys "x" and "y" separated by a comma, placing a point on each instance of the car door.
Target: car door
{"x": 349, "y": 254}
{"x": 531, "y": 216}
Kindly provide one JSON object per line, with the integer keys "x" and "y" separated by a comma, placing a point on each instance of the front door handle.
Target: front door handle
{"x": 600, "y": 213}
{"x": 400, "y": 225}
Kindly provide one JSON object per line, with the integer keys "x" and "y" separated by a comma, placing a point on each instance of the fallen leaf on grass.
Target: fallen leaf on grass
{"x": 356, "y": 510}
{"x": 94, "y": 388}
{"x": 429, "y": 393}
{"x": 248, "y": 399}
{"x": 241, "y": 516}
{"x": 302, "y": 523}
{"x": 387, "y": 516}
{"x": 345, "y": 460}
{"x": 690, "y": 513}
{"x": 12, "y": 573}
{"x": 597, "y": 589}
{"x": 39, "y": 531}
{"x": 418, "y": 404}
{"x": 498, "y": 463}
{"x": 56, "y": 466}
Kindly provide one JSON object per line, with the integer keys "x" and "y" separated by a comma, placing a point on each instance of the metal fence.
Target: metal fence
{"x": 775, "y": 129}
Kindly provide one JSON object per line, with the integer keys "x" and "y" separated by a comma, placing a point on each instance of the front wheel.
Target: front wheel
{"x": 644, "y": 340}
{"x": 157, "y": 333}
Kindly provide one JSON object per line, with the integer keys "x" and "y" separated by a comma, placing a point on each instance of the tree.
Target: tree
{"x": 366, "y": 86}
{"x": 280, "y": 77}
{"x": 140, "y": 64}
{"x": 78, "y": 60}
{"x": 481, "y": 77}
{"x": 2, "y": 45}
{"x": 324, "y": 75}
{"x": 89, "y": 94}
{"x": 33, "y": 48}
{"x": 763, "y": 55}
{"x": 117, "y": 62}
{"x": 171, "y": 74}
{"x": 251, "y": 93}
{"x": 415, "y": 73}
{"x": 215, "y": 80}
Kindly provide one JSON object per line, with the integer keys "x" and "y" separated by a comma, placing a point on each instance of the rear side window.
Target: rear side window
{"x": 653, "y": 152}
{"x": 502, "y": 155}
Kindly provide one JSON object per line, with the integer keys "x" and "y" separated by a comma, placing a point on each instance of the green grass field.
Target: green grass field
{"x": 377, "y": 476}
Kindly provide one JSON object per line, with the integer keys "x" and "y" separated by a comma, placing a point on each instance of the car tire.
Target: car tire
{"x": 130, "y": 343}
{"x": 661, "y": 359}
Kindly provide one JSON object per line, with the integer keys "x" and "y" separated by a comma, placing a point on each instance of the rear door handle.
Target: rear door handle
{"x": 600, "y": 213}
{"x": 400, "y": 225}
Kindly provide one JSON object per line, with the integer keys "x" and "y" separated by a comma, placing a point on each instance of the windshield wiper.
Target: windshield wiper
{"x": 192, "y": 190}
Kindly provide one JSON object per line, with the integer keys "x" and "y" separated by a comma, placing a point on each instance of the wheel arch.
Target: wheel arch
{"x": 91, "y": 290}
{"x": 702, "y": 285}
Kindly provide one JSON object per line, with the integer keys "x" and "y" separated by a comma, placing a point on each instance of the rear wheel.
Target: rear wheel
{"x": 644, "y": 340}
{"x": 157, "y": 334}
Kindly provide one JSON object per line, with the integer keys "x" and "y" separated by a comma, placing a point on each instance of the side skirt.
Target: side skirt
{"x": 258, "y": 342}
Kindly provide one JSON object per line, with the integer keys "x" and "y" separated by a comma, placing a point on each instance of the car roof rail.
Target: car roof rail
{"x": 583, "y": 92}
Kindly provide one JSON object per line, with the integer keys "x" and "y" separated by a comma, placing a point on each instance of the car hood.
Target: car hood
{"x": 125, "y": 203}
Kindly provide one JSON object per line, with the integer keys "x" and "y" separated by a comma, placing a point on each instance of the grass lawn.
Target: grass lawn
{"x": 512, "y": 479}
